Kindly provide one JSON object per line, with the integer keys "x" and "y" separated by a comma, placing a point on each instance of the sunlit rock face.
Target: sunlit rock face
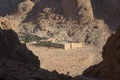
{"x": 76, "y": 9}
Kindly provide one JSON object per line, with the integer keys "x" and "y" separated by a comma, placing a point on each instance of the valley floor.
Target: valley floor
{"x": 71, "y": 62}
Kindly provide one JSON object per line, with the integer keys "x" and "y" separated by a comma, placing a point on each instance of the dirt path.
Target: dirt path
{"x": 72, "y": 62}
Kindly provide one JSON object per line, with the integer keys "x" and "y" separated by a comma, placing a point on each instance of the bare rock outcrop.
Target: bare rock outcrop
{"x": 77, "y": 9}
{"x": 67, "y": 20}
{"x": 21, "y": 11}
{"x": 17, "y": 62}
{"x": 10, "y": 46}
{"x": 7, "y": 23}
{"x": 76, "y": 24}
{"x": 109, "y": 67}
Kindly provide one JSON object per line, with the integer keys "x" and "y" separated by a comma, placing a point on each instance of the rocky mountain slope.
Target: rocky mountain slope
{"x": 109, "y": 68}
{"x": 108, "y": 10}
{"x": 74, "y": 9}
{"x": 17, "y": 62}
{"x": 46, "y": 17}
{"x": 7, "y": 5}
{"x": 15, "y": 59}
{"x": 10, "y": 47}
{"x": 51, "y": 19}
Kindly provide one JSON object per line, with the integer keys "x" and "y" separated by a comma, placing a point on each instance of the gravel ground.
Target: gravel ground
{"x": 71, "y": 62}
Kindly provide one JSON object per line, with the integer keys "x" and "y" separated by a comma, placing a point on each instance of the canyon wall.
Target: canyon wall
{"x": 77, "y": 9}
{"x": 7, "y": 5}
{"x": 89, "y": 28}
{"x": 74, "y": 18}
{"x": 17, "y": 62}
{"x": 108, "y": 69}
{"x": 108, "y": 10}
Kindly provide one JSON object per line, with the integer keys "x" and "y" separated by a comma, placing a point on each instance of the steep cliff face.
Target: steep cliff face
{"x": 108, "y": 10}
{"x": 77, "y": 9}
{"x": 10, "y": 47}
{"x": 73, "y": 19}
{"x": 7, "y": 5}
{"x": 17, "y": 62}
{"x": 111, "y": 4}
{"x": 22, "y": 9}
{"x": 109, "y": 67}
{"x": 79, "y": 20}
{"x": 70, "y": 8}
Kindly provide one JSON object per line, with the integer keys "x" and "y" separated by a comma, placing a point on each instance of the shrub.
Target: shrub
{"x": 29, "y": 38}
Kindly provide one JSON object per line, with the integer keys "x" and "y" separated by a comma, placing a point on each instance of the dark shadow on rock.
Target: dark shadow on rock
{"x": 109, "y": 68}
{"x": 19, "y": 63}
{"x": 56, "y": 7}
{"x": 7, "y": 5}
{"x": 12, "y": 49}
{"x": 41, "y": 5}
{"x": 107, "y": 11}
